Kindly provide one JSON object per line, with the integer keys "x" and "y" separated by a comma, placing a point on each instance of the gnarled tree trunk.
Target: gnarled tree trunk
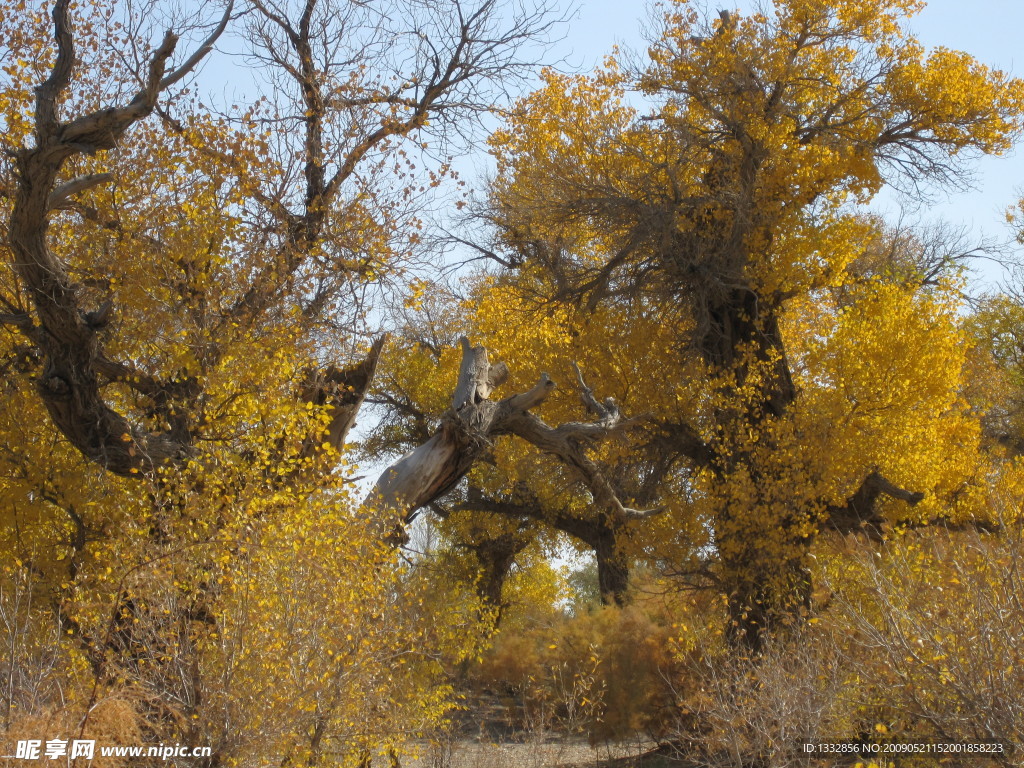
{"x": 432, "y": 469}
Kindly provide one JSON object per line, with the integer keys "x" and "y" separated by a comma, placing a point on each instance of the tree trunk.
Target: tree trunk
{"x": 467, "y": 429}
{"x": 496, "y": 556}
{"x": 762, "y": 548}
{"x": 612, "y": 570}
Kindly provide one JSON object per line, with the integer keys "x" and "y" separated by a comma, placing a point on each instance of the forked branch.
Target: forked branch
{"x": 467, "y": 431}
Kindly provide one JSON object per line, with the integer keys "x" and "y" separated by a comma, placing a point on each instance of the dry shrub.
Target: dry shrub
{"x": 116, "y": 720}
{"x": 31, "y": 658}
{"x": 737, "y": 711}
{"x": 919, "y": 639}
{"x": 605, "y": 673}
{"x": 636, "y": 661}
{"x": 936, "y": 623}
{"x": 512, "y": 662}
{"x": 546, "y": 682}
{"x": 112, "y": 720}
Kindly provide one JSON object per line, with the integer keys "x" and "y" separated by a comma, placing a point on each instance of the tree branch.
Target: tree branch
{"x": 61, "y": 194}
{"x": 859, "y": 513}
{"x": 104, "y": 128}
{"x": 200, "y": 53}
{"x": 50, "y": 91}
{"x": 69, "y": 384}
{"x": 344, "y": 392}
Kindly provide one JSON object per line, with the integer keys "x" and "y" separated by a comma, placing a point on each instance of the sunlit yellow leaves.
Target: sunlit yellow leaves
{"x": 731, "y": 194}
{"x": 818, "y": 103}
{"x": 881, "y": 385}
{"x": 329, "y": 631}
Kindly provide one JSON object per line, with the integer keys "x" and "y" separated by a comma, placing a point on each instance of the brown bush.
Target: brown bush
{"x": 606, "y": 673}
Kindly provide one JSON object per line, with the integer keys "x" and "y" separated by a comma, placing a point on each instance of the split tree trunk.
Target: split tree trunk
{"x": 467, "y": 430}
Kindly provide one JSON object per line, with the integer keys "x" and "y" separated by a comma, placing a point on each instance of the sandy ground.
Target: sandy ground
{"x": 531, "y": 754}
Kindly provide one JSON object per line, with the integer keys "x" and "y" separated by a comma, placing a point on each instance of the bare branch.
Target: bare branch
{"x": 60, "y": 196}
{"x": 200, "y": 53}
{"x": 18, "y": 320}
{"x": 879, "y": 481}
{"x": 564, "y": 442}
{"x": 859, "y": 512}
{"x": 104, "y": 128}
{"x": 344, "y": 392}
{"x": 645, "y": 514}
{"x": 532, "y": 398}
{"x": 49, "y": 92}
{"x": 607, "y": 412}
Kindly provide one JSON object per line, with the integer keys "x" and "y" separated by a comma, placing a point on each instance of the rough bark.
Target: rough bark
{"x": 466, "y": 433}
{"x": 612, "y": 568}
{"x": 67, "y": 332}
{"x": 860, "y": 513}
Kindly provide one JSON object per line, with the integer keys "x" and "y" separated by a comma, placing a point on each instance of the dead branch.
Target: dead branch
{"x": 467, "y": 430}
